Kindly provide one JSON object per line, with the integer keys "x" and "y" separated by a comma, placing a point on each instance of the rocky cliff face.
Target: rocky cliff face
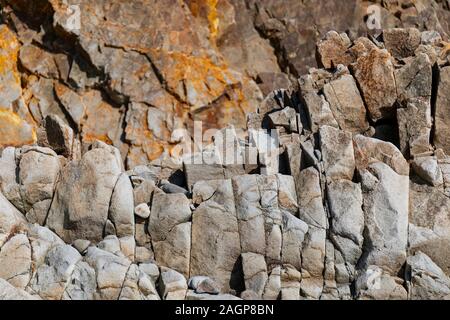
{"x": 339, "y": 188}
{"x": 134, "y": 74}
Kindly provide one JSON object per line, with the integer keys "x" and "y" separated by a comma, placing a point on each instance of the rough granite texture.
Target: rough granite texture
{"x": 351, "y": 202}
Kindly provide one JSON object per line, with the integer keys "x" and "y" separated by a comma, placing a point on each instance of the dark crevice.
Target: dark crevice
{"x": 434, "y": 95}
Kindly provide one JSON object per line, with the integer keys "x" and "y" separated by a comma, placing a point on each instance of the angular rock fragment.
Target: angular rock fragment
{"x": 415, "y": 125}
{"x": 313, "y": 218}
{"x": 428, "y": 281}
{"x": 386, "y": 203}
{"x": 110, "y": 271}
{"x": 414, "y": 80}
{"x": 337, "y": 153}
{"x": 255, "y": 272}
{"x": 333, "y": 50}
{"x": 428, "y": 169}
{"x": 402, "y": 42}
{"x": 172, "y": 285}
{"x": 346, "y": 104}
{"x": 121, "y": 207}
{"x": 138, "y": 286}
{"x": 38, "y": 172}
{"x": 375, "y": 284}
{"x": 442, "y": 131}
{"x": 374, "y": 73}
{"x": 50, "y": 279}
{"x": 370, "y": 150}
{"x": 347, "y": 219}
{"x": 15, "y": 261}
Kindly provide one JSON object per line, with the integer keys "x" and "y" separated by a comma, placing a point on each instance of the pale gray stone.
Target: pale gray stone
{"x": 428, "y": 169}
{"x": 386, "y": 207}
{"x": 428, "y": 281}
{"x": 215, "y": 233}
{"x": 255, "y": 272}
{"x": 50, "y": 279}
{"x": 121, "y": 207}
{"x": 346, "y": 104}
{"x": 110, "y": 272}
{"x": 170, "y": 230}
{"x": 172, "y": 285}
{"x": 15, "y": 261}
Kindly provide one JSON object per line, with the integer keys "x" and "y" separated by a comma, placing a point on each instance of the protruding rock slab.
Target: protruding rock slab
{"x": 215, "y": 234}
{"x": 83, "y": 195}
{"x": 170, "y": 229}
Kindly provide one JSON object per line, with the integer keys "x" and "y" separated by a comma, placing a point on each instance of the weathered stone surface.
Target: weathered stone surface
{"x": 428, "y": 281}
{"x": 374, "y": 73}
{"x": 428, "y": 169}
{"x": 369, "y": 150}
{"x": 58, "y": 136}
{"x": 375, "y": 284}
{"x": 9, "y": 292}
{"x": 346, "y": 104}
{"x": 73, "y": 103}
{"x": 255, "y": 272}
{"x": 133, "y": 75}
{"x": 110, "y": 271}
{"x": 319, "y": 112}
{"x": 50, "y": 279}
{"x": 172, "y": 285}
{"x": 402, "y": 42}
{"x": 15, "y": 261}
{"x": 249, "y": 214}
{"x": 414, "y": 80}
{"x": 337, "y": 153}
{"x": 386, "y": 203}
{"x": 415, "y": 125}
{"x": 215, "y": 233}
{"x": 285, "y": 118}
{"x": 429, "y": 229}
{"x": 121, "y": 207}
{"x": 142, "y": 210}
{"x": 442, "y": 132}
{"x": 170, "y": 230}
{"x": 10, "y": 219}
{"x": 8, "y": 176}
{"x": 347, "y": 218}
{"x": 203, "y": 285}
{"x": 81, "y": 204}
{"x": 138, "y": 286}
{"x": 82, "y": 284}
{"x": 38, "y": 61}
{"x": 38, "y": 172}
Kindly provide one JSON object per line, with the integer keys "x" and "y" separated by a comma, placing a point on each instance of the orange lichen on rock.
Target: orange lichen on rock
{"x": 196, "y": 80}
{"x": 102, "y": 120}
{"x": 14, "y": 131}
{"x": 209, "y": 9}
{"x": 10, "y": 88}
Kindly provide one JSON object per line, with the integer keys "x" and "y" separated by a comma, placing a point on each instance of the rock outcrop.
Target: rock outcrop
{"x": 338, "y": 188}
